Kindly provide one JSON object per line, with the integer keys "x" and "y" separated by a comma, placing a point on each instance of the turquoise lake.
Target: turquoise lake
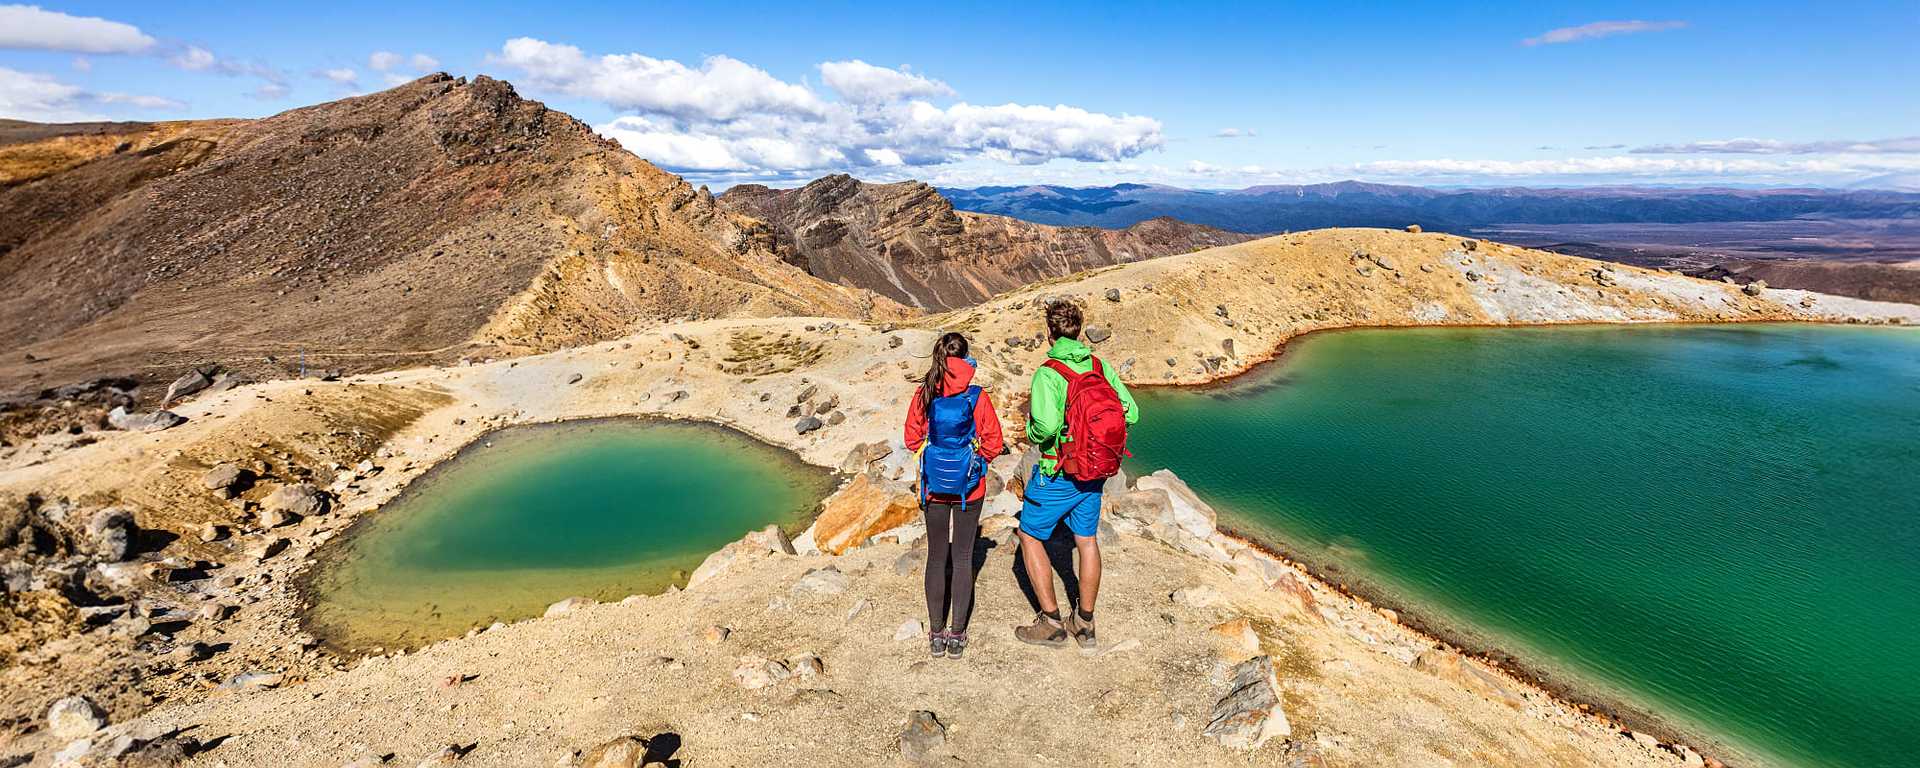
{"x": 531, "y": 515}
{"x": 1719, "y": 525}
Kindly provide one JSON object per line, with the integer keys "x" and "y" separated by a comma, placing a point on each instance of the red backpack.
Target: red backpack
{"x": 1095, "y": 434}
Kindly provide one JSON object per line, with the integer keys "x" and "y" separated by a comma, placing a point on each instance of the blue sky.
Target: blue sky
{"x": 1427, "y": 93}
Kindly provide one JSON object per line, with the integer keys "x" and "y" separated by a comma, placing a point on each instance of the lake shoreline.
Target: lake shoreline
{"x": 304, "y": 582}
{"x": 1605, "y": 703}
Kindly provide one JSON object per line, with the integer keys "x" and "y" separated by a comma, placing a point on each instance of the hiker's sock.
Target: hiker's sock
{"x": 1085, "y": 615}
{"x": 1053, "y": 614}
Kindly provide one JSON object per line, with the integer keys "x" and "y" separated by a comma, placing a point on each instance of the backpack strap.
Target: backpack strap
{"x": 1067, "y": 375}
{"x": 1097, "y": 369}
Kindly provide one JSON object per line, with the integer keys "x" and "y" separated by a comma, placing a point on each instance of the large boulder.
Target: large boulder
{"x": 189, "y": 383}
{"x": 863, "y": 507}
{"x": 1250, "y": 713}
{"x": 1186, "y": 510}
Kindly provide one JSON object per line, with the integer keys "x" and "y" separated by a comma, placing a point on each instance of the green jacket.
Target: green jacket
{"x": 1047, "y": 405}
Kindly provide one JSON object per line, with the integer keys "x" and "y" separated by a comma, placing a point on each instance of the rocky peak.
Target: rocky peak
{"x": 905, "y": 240}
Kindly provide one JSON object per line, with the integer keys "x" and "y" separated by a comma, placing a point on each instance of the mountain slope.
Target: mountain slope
{"x": 907, "y": 242}
{"x": 442, "y": 217}
{"x": 1355, "y": 204}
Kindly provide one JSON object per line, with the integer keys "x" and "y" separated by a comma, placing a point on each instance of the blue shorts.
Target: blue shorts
{"x": 1050, "y": 498}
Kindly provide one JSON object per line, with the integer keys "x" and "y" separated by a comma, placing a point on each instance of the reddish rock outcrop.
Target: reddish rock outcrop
{"x": 905, "y": 241}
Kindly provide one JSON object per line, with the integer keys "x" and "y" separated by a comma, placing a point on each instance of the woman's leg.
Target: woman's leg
{"x": 966, "y": 528}
{"x": 939, "y": 515}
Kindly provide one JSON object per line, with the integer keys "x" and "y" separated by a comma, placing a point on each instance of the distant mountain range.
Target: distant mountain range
{"x": 906, "y": 242}
{"x": 1352, "y": 203}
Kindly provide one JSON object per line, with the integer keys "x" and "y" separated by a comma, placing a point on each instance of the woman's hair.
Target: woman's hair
{"x": 950, "y": 344}
{"x": 1063, "y": 320}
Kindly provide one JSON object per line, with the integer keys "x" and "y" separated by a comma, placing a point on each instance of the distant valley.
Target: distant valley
{"x": 1267, "y": 209}
{"x": 1861, "y": 243}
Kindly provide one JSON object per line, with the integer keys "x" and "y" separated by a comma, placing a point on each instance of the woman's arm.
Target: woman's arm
{"x": 916, "y": 431}
{"x": 986, "y": 428}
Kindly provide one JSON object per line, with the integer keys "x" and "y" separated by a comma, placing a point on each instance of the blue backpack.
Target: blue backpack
{"x": 949, "y": 465}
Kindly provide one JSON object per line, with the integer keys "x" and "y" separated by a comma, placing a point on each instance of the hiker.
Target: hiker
{"x": 955, "y": 422}
{"x": 1078, "y": 415}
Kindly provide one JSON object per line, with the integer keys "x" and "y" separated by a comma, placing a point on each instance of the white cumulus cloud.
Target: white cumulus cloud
{"x": 726, "y": 115}
{"x": 1235, "y": 133}
{"x": 193, "y": 58}
{"x": 33, "y": 28}
{"x": 721, "y": 88}
{"x": 1600, "y": 29}
{"x": 858, "y": 81}
{"x": 396, "y": 69}
{"x": 1902, "y": 145}
{"x": 41, "y": 97}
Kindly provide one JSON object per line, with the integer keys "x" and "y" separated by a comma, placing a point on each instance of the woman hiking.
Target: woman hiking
{"x": 952, "y": 425}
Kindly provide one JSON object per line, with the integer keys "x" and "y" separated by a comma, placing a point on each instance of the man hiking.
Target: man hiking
{"x": 1078, "y": 416}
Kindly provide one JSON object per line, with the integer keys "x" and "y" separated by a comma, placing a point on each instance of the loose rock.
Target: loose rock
{"x": 923, "y": 734}
{"x": 74, "y": 717}
{"x": 119, "y": 418}
{"x": 225, "y": 479}
{"x": 1250, "y": 713}
{"x": 821, "y": 581}
{"x": 111, "y": 530}
{"x": 297, "y": 499}
{"x": 566, "y": 606}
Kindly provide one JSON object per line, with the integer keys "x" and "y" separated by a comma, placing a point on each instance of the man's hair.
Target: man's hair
{"x": 1063, "y": 320}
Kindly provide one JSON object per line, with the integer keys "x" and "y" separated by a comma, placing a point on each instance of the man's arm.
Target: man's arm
{"x": 1046, "y": 406}
{"x": 1126, "y": 398}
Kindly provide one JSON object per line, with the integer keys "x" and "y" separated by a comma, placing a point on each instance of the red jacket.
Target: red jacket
{"x": 986, "y": 424}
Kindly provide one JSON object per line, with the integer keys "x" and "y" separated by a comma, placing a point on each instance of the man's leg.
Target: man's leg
{"x": 1089, "y": 549}
{"x": 1033, "y": 553}
{"x": 1047, "y": 501}
{"x": 1084, "y": 521}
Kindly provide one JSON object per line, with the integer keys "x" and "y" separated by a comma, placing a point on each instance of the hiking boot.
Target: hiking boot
{"x": 956, "y": 644}
{"x": 1081, "y": 629}
{"x": 1043, "y": 631}
{"x": 937, "y": 643}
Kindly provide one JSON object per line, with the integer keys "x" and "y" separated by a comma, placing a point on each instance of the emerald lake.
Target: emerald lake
{"x": 534, "y": 514}
{"x": 1719, "y": 525}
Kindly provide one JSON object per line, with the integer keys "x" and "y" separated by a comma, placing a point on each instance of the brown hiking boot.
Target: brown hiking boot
{"x": 1043, "y": 631}
{"x": 1081, "y": 629}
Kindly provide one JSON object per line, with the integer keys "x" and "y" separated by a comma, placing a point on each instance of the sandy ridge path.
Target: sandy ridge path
{"x": 598, "y": 673}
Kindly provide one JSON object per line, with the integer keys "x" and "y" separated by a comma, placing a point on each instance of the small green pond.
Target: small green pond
{"x": 534, "y": 514}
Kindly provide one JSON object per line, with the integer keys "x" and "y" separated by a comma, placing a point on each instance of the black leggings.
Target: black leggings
{"x": 952, "y": 527}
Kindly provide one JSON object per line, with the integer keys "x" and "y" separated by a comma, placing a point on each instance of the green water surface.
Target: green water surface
{"x": 535, "y": 514}
{"x": 1718, "y": 524}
